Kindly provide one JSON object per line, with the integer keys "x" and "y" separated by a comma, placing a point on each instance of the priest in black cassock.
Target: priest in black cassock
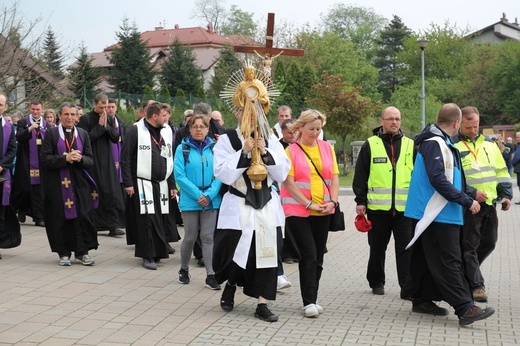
{"x": 26, "y": 196}
{"x": 103, "y": 132}
{"x": 69, "y": 191}
{"x": 147, "y": 164}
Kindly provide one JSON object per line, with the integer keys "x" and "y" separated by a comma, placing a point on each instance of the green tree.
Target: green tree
{"x": 83, "y": 76}
{"x": 180, "y": 70}
{"x": 361, "y": 25}
{"x": 345, "y": 107}
{"x": 180, "y": 98}
{"x": 226, "y": 65}
{"x": 390, "y": 44}
{"x": 294, "y": 90}
{"x": 164, "y": 94}
{"x": 52, "y": 56}
{"x": 132, "y": 68}
{"x": 238, "y": 22}
{"x": 339, "y": 56}
{"x": 505, "y": 76}
{"x": 148, "y": 93}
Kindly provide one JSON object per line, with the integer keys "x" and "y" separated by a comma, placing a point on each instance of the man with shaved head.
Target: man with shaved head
{"x": 381, "y": 180}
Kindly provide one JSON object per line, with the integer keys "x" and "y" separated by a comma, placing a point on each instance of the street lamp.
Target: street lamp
{"x": 422, "y": 42}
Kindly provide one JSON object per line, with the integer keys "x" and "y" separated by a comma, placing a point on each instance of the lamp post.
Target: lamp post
{"x": 422, "y": 42}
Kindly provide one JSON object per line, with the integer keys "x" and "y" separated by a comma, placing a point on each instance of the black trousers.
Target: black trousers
{"x": 311, "y": 235}
{"x": 384, "y": 224}
{"x": 479, "y": 237}
{"x": 436, "y": 267}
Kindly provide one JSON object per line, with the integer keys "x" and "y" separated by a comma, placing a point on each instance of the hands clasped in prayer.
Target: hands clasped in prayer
{"x": 74, "y": 155}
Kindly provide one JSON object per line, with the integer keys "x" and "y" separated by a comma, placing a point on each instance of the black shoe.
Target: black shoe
{"x": 378, "y": 291}
{"x": 0, "y": 256}
{"x": 149, "y": 264}
{"x": 200, "y": 262}
{"x": 227, "y": 301}
{"x": 262, "y": 312}
{"x": 212, "y": 283}
{"x": 21, "y": 216}
{"x": 430, "y": 308}
{"x": 39, "y": 223}
{"x": 515, "y": 203}
{"x": 157, "y": 260}
{"x": 116, "y": 232}
{"x": 475, "y": 314}
{"x": 171, "y": 250}
{"x": 184, "y": 276}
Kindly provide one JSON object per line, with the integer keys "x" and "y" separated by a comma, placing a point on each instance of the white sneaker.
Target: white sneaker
{"x": 65, "y": 261}
{"x": 282, "y": 283}
{"x": 86, "y": 260}
{"x": 310, "y": 310}
{"x": 319, "y": 308}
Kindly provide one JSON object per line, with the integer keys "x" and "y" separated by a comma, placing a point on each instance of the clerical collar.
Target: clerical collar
{"x": 69, "y": 130}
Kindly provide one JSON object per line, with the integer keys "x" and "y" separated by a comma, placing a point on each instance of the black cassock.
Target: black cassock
{"x": 111, "y": 206}
{"x": 146, "y": 231}
{"x": 78, "y": 234}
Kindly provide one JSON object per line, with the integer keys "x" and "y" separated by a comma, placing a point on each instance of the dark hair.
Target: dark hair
{"x": 36, "y": 102}
{"x": 287, "y": 122}
{"x": 448, "y": 114}
{"x": 153, "y": 108}
{"x": 111, "y": 100}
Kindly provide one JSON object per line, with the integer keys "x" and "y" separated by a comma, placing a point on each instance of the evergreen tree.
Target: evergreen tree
{"x": 148, "y": 93}
{"x": 226, "y": 65}
{"x": 52, "y": 57}
{"x": 180, "y": 98}
{"x": 180, "y": 70}
{"x": 164, "y": 95}
{"x": 390, "y": 44}
{"x": 294, "y": 90}
{"x": 83, "y": 76}
{"x": 132, "y": 69}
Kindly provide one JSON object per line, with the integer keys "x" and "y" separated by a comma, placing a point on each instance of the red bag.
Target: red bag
{"x": 362, "y": 223}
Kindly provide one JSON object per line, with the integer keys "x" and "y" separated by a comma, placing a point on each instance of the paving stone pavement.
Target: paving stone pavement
{"x": 117, "y": 302}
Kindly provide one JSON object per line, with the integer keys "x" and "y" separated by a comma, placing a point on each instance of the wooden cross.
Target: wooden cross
{"x": 69, "y": 203}
{"x": 66, "y": 182}
{"x": 269, "y": 44}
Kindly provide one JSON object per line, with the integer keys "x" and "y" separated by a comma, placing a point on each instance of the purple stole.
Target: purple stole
{"x": 7, "y": 129}
{"x": 116, "y": 152}
{"x": 34, "y": 163}
{"x": 67, "y": 195}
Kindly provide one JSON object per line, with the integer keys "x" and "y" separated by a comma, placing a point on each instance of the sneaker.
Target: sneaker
{"x": 379, "y": 291}
{"x": 480, "y": 295}
{"x": 429, "y": 307}
{"x": 65, "y": 261}
{"x": 86, "y": 260}
{"x": 227, "y": 300}
{"x": 310, "y": 310}
{"x": 184, "y": 276}
{"x": 282, "y": 283}
{"x": 262, "y": 312}
{"x": 211, "y": 283}
{"x": 319, "y": 308}
{"x": 116, "y": 232}
{"x": 475, "y": 314}
{"x": 149, "y": 263}
{"x": 200, "y": 262}
{"x": 169, "y": 248}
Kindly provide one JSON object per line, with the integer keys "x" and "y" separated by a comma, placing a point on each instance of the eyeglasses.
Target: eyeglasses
{"x": 392, "y": 119}
{"x": 198, "y": 127}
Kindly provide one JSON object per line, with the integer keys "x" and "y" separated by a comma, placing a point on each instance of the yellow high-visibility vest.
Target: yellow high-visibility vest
{"x": 381, "y": 190}
{"x": 484, "y": 166}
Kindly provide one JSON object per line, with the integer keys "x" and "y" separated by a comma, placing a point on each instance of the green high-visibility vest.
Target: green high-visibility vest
{"x": 382, "y": 193}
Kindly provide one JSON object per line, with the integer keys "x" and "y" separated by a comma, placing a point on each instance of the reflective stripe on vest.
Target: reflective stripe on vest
{"x": 382, "y": 193}
{"x": 483, "y": 165}
{"x": 302, "y": 178}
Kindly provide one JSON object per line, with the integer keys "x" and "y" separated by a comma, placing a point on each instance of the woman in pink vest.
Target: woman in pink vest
{"x": 309, "y": 196}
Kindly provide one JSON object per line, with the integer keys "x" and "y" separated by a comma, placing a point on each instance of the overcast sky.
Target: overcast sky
{"x": 95, "y": 22}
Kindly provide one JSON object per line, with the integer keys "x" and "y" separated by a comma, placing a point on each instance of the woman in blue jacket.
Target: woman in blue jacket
{"x": 199, "y": 196}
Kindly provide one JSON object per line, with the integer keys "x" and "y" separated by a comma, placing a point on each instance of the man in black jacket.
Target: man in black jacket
{"x": 381, "y": 181}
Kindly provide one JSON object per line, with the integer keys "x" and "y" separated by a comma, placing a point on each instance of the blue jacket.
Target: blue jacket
{"x": 429, "y": 176}
{"x": 195, "y": 177}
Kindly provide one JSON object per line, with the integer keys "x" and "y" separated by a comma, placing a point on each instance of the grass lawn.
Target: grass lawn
{"x": 346, "y": 180}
